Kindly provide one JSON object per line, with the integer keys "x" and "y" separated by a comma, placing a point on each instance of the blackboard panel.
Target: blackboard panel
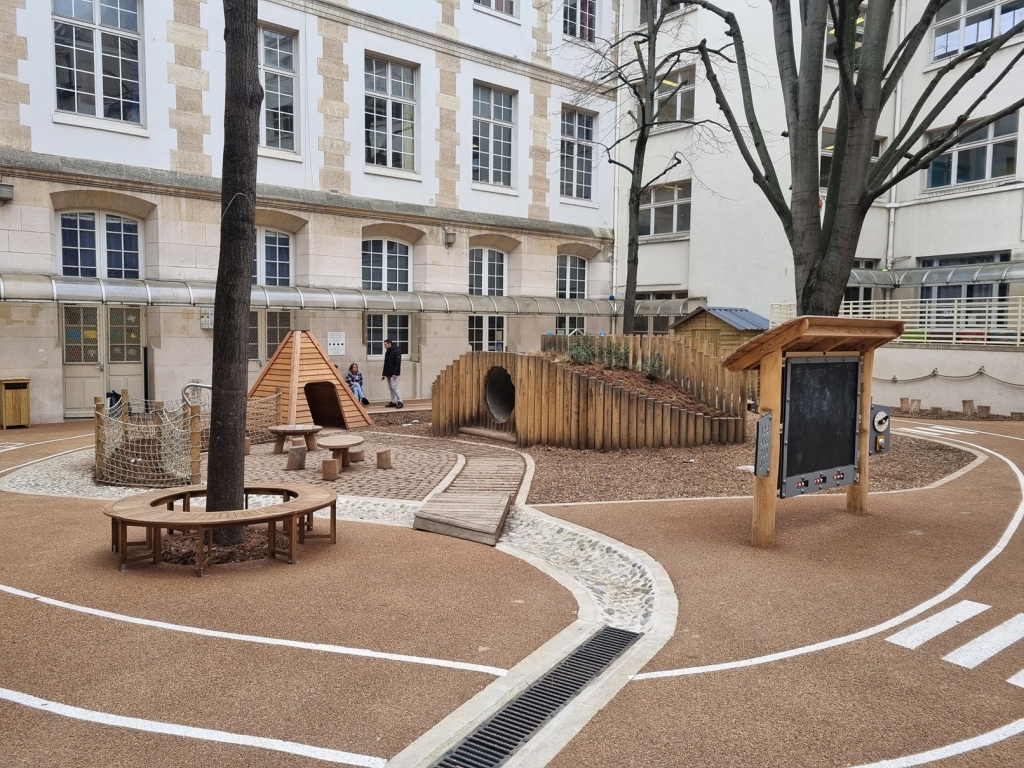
{"x": 821, "y": 414}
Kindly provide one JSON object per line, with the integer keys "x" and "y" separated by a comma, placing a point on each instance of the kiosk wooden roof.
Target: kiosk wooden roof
{"x": 313, "y": 389}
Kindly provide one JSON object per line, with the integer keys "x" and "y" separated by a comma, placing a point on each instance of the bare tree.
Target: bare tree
{"x": 243, "y": 96}
{"x": 824, "y": 246}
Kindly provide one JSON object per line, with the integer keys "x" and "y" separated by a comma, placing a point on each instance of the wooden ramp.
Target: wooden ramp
{"x": 475, "y": 517}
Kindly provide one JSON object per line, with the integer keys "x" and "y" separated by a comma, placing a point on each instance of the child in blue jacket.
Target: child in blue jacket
{"x": 354, "y": 379}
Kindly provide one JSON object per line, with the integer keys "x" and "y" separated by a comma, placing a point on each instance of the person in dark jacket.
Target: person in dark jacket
{"x": 392, "y": 370}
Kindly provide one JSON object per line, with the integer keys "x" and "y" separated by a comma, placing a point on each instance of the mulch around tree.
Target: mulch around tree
{"x": 180, "y": 549}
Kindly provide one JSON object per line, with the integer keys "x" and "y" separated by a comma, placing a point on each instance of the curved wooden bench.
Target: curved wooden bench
{"x": 156, "y": 510}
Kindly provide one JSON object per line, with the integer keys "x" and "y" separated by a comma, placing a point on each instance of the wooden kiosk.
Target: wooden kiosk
{"x": 811, "y": 339}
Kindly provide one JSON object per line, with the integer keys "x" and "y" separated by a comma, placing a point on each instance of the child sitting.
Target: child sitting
{"x": 354, "y": 379}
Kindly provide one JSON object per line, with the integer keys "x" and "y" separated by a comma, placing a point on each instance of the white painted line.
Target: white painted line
{"x": 323, "y": 647}
{"x": 954, "y": 430}
{"x": 8, "y": 470}
{"x": 189, "y": 732}
{"x": 920, "y": 633}
{"x": 917, "y": 610}
{"x": 1017, "y": 679}
{"x": 951, "y": 750}
{"x": 988, "y": 645}
{"x": 54, "y": 440}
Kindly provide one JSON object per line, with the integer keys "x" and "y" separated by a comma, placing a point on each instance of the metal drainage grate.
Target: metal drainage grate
{"x": 491, "y": 743}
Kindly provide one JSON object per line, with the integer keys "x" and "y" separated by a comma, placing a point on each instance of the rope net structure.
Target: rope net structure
{"x": 157, "y": 444}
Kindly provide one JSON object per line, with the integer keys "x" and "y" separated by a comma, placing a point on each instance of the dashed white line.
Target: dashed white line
{"x": 190, "y": 732}
{"x": 920, "y": 633}
{"x": 988, "y": 645}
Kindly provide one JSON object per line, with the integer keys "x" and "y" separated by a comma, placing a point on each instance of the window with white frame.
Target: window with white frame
{"x": 579, "y": 19}
{"x": 674, "y": 97}
{"x": 963, "y": 24}
{"x": 665, "y": 209}
{"x": 385, "y": 265}
{"x": 570, "y": 283}
{"x": 501, "y": 6}
{"x": 94, "y": 244}
{"x": 277, "y": 71}
{"x": 861, "y": 293}
{"x": 267, "y": 329}
{"x": 272, "y": 258}
{"x": 492, "y": 136}
{"x": 577, "y": 154}
{"x": 390, "y": 112}
{"x": 828, "y": 144}
{"x": 570, "y": 325}
{"x": 96, "y": 51}
{"x": 487, "y": 333}
{"x": 989, "y": 152}
{"x": 486, "y": 272}
{"x": 380, "y": 327}
{"x": 657, "y": 325}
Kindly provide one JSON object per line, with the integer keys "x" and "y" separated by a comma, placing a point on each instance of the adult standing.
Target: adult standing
{"x": 392, "y": 370}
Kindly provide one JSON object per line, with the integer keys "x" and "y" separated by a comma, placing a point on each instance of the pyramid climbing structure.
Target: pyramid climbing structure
{"x": 313, "y": 390}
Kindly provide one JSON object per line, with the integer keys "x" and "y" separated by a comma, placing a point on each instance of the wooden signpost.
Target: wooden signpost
{"x": 809, "y": 337}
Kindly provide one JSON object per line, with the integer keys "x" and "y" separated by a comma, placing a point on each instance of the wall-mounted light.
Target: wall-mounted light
{"x": 6, "y": 193}
{"x": 449, "y": 237}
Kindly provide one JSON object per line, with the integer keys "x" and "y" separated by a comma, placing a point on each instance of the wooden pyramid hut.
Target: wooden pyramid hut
{"x": 313, "y": 389}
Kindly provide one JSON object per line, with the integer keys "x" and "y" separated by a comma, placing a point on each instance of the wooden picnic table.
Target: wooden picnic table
{"x": 339, "y": 446}
{"x": 283, "y": 431}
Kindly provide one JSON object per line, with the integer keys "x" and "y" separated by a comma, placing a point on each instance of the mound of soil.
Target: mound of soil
{"x": 180, "y": 549}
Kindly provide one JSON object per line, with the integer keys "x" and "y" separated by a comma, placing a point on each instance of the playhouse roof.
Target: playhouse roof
{"x": 739, "y": 318}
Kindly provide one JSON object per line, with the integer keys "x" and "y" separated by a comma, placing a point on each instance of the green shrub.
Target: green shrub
{"x": 582, "y": 350}
{"x": 622, "y": 359}
{"x": 654, "y": 367}
{"x": 610, "y": 355}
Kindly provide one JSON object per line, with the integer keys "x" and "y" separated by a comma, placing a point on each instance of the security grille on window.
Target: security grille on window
{"x": 267, "y": 330}
{"x": 79, "y": 28}
{"x": 577, "y": 154}
{"x": 278, "y": 73}
{"x": 492, "y": 136}
{"x": 253, "y": 345}
{"x": 675, "y": 95}
{"x": 486, "y": 272}
{"x": 271, "y": 259}
{"x": 987, "y": 153}
{"x": 385, "y": 274}
{"x": 828, "y": 143}
{"x": 665, "y": 209}
{"x": 83, "y": 254}
{"x": 579, "y": 19}
{"x": 390, "y": 114}
{"x": 125, "y": 332}
{"x": 487, "y": 332}
{"x": 502, "y": 6}
{"x": 380, "y": 327}
{"x": 963, "y": 24}
{"x": 278, "y": 325}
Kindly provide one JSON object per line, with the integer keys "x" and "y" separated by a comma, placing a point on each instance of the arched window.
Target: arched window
{"x": 571, "y": 283}
{"x": 96, "y": 244}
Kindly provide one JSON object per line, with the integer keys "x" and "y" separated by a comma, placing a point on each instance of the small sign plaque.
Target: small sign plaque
{"x": 763, "y": 447}
{"x": 336, "y": 343}
{"x": 206, "y": 318}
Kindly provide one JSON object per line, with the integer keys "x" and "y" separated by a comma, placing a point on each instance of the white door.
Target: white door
{"x": 124, "y": 351}
{"x": 102, "y": 352}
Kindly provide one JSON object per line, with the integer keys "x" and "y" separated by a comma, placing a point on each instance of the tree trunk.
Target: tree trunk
{"x": 633, "y": 238}
{"x": 824, "y": 294}
{"x": 242, "y": 99}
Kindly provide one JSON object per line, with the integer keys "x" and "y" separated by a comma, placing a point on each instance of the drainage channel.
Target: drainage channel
{"x": 495, "y": 740}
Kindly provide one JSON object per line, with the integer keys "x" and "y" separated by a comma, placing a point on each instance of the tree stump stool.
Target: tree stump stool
{"x": 905, "y": 404}
{"x": 1016, "y": 415}
{"x": 935, "y": 410}
{"x": 984, "y": 411}
{"x": 296, "y": 458}
{"x": 384, "y": 459}
{"x": 247, "y": 448}
{"x": 915, "y": 406}
{"x": 356, "y": 454}
{"x": 968, "y": 407}
{"x": 330, "y": 469}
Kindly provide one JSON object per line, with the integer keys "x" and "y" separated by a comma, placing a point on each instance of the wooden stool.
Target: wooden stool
{"x": 330, "y": 469}
{"x": 384, "y": 459}
{"x": 984, "y": 411}
{"x": 247, "y": 449}
{"x": 356, "y": 454}
{"x": 296, "y": 458}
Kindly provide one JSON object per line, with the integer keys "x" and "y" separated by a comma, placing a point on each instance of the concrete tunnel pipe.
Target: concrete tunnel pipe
{"x": 499, "y": 394}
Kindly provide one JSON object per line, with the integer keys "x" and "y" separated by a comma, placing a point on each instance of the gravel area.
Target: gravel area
{"x": 403, "y": 422}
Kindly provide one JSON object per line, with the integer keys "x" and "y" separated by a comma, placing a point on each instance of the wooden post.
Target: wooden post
{"x": 857, "y": 493}
{"x": 126, "y": 406}
{"x": 293, "y": 383}
{"x": 690, "y": 434}
{"x": 384, "y": 459}
{"x": 194, "y": 429}
{"x": 968, "y": 408}
{"x": 766, "y": 488}
{"x": 983, "y": 411}
{"x": 278, "y": 416}
{"x": 99, "y": 406}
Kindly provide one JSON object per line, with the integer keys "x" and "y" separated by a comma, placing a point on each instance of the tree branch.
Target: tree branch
{"x": 827, "y": 107}
{"x": 907, "y": 49}
{"x": 839, "y": 26}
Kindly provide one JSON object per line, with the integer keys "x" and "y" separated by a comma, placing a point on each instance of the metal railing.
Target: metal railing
{"x": 990, "y": 321}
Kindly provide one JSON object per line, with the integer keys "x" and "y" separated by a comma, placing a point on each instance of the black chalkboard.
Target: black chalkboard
{"x": 820, "y": 414}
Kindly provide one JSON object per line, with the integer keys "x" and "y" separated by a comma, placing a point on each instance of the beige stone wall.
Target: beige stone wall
{"x": 332, "y": 105}
{"x": 30, "y": 347}
{"x": 541, "y": 33}
{"x": 446, "y": 26}
{"x": 13, "y": 93}
{"x": 26, "y": 239}
{"x": 447, "y": 169}
{"x": 190, "y": 80}
{"x": 540, "y": 152}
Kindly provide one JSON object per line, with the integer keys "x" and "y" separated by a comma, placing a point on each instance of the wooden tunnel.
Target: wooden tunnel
{"x": 313, "y": 390}
{"x": 542, "y": 402}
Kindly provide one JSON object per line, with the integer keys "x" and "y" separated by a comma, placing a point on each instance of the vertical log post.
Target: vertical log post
{"x": 194, "y": 444}
{"x": 99, "y": 406}
{"x": 857, "y": 493}
{"x": 765, "y": 488}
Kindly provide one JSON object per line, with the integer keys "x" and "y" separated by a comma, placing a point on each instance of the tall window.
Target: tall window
{"x": 96, "y": 50}
{"x": 380, "y": 327}
{"x": 571, "y": 283}
{"x": 828, "y": 144}
{"x": 665, "y": 209}
{"x": 487, "y": 333}
{"x": 656, "y": 324}
{"x": 385, "y": 266}
{"x": 114, "y": 253}
{"x": 492, "y": 136}
{"x": 272, "y": 259}
{"x": 675, "y": 96}
{"x": 390, "y": 114}
{"x": 267, "y": 330}
{"x": 962, "y": 24}
{"x": 486, "y": 272}
{"x": 831, "y": 42}
{"x": 579, "y": 19}
{"x": 577, "y": 154}
{"x": 987, "y": 153}
{"x": 502, "y": 6}
{"x": 278, "y": 74}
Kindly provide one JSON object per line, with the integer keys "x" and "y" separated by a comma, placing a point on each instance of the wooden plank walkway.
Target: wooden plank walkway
{"x": 475, "y": 505}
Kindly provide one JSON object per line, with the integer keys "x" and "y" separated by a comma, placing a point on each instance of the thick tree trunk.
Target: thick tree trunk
{"x": 633, "y": 239}
{"x": 823, "y": 295}
{"x": 243, "y": 96}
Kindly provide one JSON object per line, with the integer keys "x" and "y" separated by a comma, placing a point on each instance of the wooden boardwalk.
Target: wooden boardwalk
{"x": 475, "y": 505}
